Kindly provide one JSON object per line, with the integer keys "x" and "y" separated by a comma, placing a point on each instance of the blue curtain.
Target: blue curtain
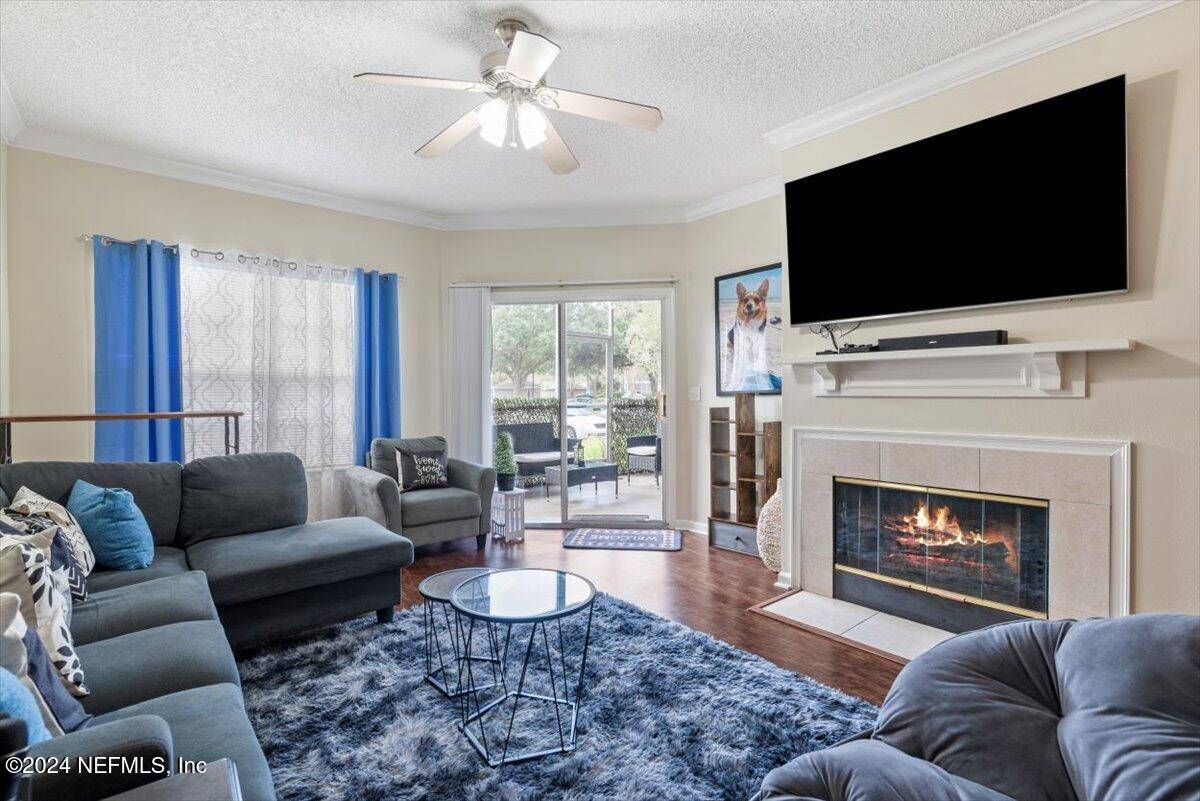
{"x": 376, "y": 359}
{"x": 137, "y": 349}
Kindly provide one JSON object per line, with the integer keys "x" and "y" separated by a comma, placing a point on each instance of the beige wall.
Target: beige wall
{"x": 5, "y": 372}
{"x": 745, "y": 237}
{"x": 54, "y": 200}
{"x": 1150, "y": 396}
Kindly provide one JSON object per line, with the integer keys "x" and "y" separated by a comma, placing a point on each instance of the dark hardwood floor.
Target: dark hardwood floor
{"x": 707, "y": 589}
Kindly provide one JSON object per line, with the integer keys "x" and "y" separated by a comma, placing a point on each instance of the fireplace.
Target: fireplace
{"x": 948, "y": 558}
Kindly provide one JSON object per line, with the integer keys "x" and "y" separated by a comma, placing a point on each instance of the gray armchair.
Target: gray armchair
{"x": 424, "y": 516}
{"x": 1058, "y": 709}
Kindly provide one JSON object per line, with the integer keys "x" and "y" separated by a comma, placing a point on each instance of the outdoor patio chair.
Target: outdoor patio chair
{"x": 645, "y": 456}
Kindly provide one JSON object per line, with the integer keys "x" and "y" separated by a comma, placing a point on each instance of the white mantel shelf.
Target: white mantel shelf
{"x": 1017, "y": 370}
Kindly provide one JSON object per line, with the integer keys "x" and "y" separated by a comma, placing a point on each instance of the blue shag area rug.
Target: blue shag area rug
{"x": 670, "y": 714}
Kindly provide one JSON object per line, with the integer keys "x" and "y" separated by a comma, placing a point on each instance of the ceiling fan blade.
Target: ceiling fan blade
{"x": 530, "y": 56}
{"x": 601, "y": 108}
{"x": 556, "y": 153}
{"x": 457, "y": 131}
{"x": 426, "y": 83}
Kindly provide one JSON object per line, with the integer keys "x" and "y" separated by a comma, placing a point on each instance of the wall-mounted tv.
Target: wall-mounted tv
{"x": 1024, "y": 206}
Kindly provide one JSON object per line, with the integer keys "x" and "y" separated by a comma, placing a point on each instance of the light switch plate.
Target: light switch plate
{"x": 694, "y": 394}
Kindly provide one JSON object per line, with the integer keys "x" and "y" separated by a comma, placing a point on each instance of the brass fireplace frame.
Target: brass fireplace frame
{"x": 913, "y": 585}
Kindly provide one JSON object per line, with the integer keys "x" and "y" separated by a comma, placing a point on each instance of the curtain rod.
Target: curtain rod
{"x": 220, "y": 255}
{"x": 108, "y": 240}
{"x": 562, "y": 282}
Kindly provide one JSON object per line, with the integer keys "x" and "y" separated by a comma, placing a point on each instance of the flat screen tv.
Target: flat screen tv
{"x": 1028, "y": 205}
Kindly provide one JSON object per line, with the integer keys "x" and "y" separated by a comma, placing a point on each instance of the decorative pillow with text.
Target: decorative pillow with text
{"x": 421, "y": 469}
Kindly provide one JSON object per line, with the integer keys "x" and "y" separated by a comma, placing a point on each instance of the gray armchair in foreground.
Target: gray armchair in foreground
{"x": 425, "y": 516}
{"x": 1059, "y": 709}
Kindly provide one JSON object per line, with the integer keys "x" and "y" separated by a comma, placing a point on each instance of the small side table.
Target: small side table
{"x": 508, "y": 514}
{"x": 444, "y": 662}
{"x": 510, "y": 599}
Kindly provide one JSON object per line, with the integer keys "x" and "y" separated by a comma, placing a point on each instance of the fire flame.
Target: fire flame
{"x": 943, "y": 529}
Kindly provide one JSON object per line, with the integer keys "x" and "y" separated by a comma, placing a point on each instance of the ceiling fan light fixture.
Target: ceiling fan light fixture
{"x": 493, "y": 121}
{"x": 514, "y": 81}
{"x": 531, "y": 124}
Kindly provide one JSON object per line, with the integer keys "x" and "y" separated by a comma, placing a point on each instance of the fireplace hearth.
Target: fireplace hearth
{"x": 948, "y": 558}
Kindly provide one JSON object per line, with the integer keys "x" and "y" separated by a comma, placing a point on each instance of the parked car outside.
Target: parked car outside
{"x": 582, "y": 424}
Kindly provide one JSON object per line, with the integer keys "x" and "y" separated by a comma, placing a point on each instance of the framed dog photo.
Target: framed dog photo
{"x": 750, "y": 331}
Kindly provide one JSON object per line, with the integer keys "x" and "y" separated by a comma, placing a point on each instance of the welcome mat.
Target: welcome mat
{"x": 613, "y": 518}
{"x": 624, "y": 539}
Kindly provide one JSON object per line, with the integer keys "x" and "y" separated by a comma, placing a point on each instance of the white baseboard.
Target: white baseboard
{"x": 695, "y": 527}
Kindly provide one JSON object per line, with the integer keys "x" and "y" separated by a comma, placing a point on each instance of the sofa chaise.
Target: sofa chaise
{"x": 241, "y": 520}
{"x": 1033, "y": 710}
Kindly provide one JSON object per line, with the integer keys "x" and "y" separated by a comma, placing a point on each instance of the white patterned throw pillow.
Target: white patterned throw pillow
{"x": 24, "y": 656}
{"x": 63, "y": 564}
{"x": 28, "y": 502}
{"x": 46, "y": 601}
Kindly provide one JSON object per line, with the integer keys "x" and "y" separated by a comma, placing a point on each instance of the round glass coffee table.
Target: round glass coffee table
{"x": 541, "y": 600}
{"x": 444, "y": 645}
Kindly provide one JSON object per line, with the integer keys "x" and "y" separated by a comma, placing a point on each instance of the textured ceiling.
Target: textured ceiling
{"x": 263, "y": 89}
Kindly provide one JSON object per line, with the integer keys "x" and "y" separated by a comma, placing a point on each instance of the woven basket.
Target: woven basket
{"x": 770, "y": 529}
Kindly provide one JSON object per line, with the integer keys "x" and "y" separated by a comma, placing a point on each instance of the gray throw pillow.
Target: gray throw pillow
{"x": 420, "y": 469}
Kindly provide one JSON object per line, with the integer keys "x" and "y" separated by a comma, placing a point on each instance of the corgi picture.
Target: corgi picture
{"x": 749, "y": 335}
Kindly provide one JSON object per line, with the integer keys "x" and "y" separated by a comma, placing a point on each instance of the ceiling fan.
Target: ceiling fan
{"x": 514, "y": 80}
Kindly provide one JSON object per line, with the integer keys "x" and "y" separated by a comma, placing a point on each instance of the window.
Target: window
{"x": 275, "y": 340}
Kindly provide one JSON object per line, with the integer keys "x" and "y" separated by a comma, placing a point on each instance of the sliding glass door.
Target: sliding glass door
{"x": 577, "y": 381}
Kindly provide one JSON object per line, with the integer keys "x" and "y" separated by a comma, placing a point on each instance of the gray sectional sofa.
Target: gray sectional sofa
{"x": 235, "y": 564}
{"x": 241, "y": 521}
{"x": 1052, "y": 710}
{"x": 425, "y": 516}
{"x": 163, "y": 684}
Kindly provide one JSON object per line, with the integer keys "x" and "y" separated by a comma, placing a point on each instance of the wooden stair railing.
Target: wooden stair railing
{"x": 232, "y": 433}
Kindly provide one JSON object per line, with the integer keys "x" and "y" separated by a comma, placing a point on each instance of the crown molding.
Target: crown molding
{"x": 98, "y": 152}
{"x": 742, "y": 196}
{"x": 11, "y": 123}
{"x": 1062, "y": 29}
{"x": 563, "y": 219}
{"x": 101, "y": 153}
{"x": 17, "y": 135}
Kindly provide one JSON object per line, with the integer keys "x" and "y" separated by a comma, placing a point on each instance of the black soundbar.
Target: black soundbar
{"x": 967, "y": 339}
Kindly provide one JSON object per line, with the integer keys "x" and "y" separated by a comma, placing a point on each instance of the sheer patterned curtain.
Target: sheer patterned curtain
{"x": 274, "y": 339}
{"x": 471, "y": 374}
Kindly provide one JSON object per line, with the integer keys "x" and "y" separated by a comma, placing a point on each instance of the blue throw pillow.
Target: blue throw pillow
{"x": 114, "y": 526}
{"x": 16, "y": 701}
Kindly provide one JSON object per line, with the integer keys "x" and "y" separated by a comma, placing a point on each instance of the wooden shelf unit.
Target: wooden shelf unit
{"x": 739, "y": 489}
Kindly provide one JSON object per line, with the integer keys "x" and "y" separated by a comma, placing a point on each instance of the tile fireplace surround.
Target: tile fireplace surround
{"x": 1086, "y": 482}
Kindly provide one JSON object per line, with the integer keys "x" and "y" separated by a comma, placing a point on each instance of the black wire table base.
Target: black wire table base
{"x": 443, "y": 666}
{"x": 494, "y": 749}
